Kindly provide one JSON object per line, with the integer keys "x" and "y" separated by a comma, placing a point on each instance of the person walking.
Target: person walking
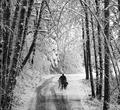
{"x": 63, "y": 82}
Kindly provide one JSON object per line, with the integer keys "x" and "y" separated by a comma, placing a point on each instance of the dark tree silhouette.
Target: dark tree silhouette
{"x": 5, "y": 101}
{"x": 118, "y": 101}
{"x": 88, "y": 51}
{"x": 84, "y": 48}
{"x": 99, "y": 77}
{"x": 86, "y": 41}
{"x": 106, "y": 65}
{"x": 95, "y": 55}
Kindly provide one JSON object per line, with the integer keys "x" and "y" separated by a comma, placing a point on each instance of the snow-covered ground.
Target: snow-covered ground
{"x": 38, "y": 97}
{"x": 45, "y": 94}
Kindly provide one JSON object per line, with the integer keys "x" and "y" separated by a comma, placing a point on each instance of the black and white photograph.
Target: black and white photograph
{"x": 59, "y": 54}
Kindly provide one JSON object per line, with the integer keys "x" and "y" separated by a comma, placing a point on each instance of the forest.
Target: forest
{"x": 42, "y": 39}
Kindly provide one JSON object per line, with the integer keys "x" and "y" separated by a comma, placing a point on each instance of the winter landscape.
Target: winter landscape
{"x": 59, "y": 54}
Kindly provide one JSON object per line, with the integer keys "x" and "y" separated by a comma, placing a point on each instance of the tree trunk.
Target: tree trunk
{"x": 84, "y": 48}
{"x": 1, "y": 52}
{"x": 5, "y": 98}
{"x": 106, "y": 65}
{"x": 119, "y": 16}
{"x": 118, "y": 101}
{"x": 95, "y": 55}
{"x": 12, "y": 36}
{"x": 89, "y": 52}
{"x": 99, "y": 88}
{"x": 30, "y": 4}
{"x": 87, "y": 41}
{"x": 33, "y": 55}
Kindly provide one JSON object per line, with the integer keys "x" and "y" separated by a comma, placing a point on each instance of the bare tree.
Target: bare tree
{"x": 95, "y": 55}
{"x": 5, "y": 102}
{"x": 106, "y": 65}
{"x": 89, "y": 51}
{"x": 84, "y": 48}
{"x": 99, "y": 77}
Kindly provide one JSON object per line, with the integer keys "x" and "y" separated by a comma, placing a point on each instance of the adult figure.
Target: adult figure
{"x": 63, "y": 82}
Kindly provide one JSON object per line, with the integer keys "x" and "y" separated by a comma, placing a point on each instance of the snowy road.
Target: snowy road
{"x": 49, "y": 97}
